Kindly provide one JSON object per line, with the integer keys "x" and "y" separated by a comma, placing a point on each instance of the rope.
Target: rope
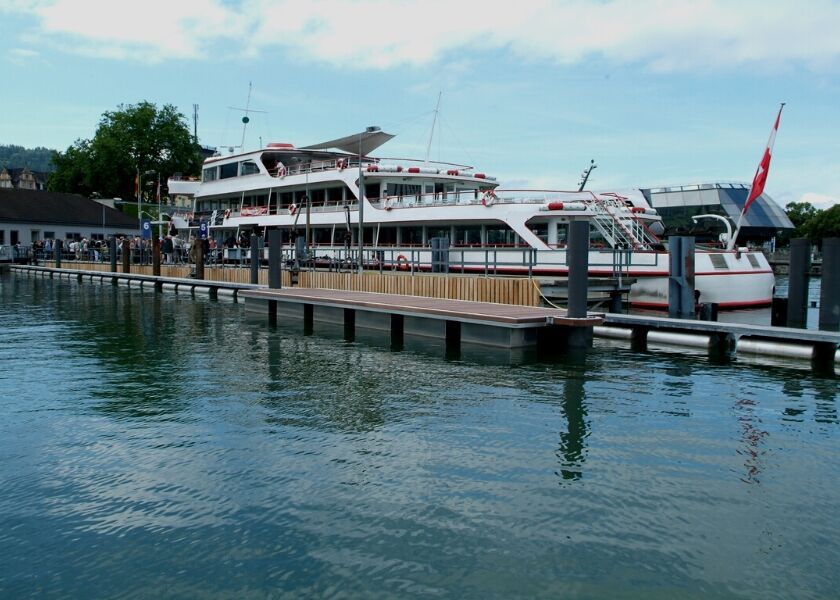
{"x": 547, "y": 301}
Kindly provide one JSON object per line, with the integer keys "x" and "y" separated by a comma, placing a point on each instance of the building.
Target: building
{"x": 678, "y": 204}
{"x": 28, "y": 216}
{"x": 22, "y": 179}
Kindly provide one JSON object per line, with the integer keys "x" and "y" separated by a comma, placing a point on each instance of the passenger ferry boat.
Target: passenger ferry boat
{"x": 408, "y": 205}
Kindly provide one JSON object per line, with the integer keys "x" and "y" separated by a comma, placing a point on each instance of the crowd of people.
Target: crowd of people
{"x": 174, "y": 249}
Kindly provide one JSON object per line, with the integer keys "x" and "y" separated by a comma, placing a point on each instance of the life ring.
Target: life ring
{"x": 402, "y": 263}
{"x": 292, "y": 209}
{"x": 341, "y": 164}
{"x": 227, "y": 213}
{"x": 489, "y": 198}
{"x": 281, "y": 171}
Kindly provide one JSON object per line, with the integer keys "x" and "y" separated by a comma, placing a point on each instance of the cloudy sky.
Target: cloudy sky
{"x": 657, "y": 92}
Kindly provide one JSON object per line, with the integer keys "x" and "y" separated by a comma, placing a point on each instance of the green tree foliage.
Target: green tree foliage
{"x": 799, "y": 214}
{"x": 824, "y": 224}
{"x": 135, "y": 138}
{"x": 17, "y": 157}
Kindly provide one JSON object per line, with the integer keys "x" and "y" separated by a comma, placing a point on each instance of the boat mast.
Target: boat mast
{"x": 584, "y": 177}
{"x": 432, "y": 132}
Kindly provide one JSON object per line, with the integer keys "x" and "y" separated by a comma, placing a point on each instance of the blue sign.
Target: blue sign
{"x": 147, "y": 229}
{"x": 202, "y": 230}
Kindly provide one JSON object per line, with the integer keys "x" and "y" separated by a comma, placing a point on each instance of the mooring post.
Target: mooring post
{"x": 830, "y": 285}
{"x": 199, "y": 258}
{"x": 681, "y": 278}
{"x": 255, "y": 259}
{"x": 275, "y": 259}
{"x": 800, "y": 267}
{"x": 126, "y": 256}
{"x": 778, "y": 312}
{"x": 58, "y": 247}
{"x": 156, "y": 258}
{"x": 112, "y": 253}
{"x": 577, "y": 257}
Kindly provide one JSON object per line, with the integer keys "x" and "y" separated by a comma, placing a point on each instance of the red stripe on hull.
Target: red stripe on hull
{"x": 725, "y": 305}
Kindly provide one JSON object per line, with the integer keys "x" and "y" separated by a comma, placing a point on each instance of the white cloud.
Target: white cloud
{"x": 375, "y": 34}
{"x": 820, "y": 201}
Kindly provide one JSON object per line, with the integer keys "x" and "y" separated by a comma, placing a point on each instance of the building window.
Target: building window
{"x": 73, "y": 236}
{"x": 49, "y": 235}
{"x": 14, "y": 237}
{"x": 2, "y": 237}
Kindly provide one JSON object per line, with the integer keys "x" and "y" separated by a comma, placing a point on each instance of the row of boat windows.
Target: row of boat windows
{"x": 403, "y": 236}
{"x": 226, "y": 171}
{"x": 332, "y": 196}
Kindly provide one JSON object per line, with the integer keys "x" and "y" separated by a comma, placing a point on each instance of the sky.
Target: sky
{"x": 656, "y": 92}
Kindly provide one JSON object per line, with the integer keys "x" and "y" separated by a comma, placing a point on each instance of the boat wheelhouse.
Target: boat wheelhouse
{"x": 407, "y": 204}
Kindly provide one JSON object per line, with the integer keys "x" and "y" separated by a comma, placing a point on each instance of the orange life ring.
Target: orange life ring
{"x": 227, "y": 213}
{"x": 341, "y": 164}
{"x": 402, "y": 263}
{"x": 292, "y": 209}
{"x": 489, "y": 198}
{"x": 281, "y": 171}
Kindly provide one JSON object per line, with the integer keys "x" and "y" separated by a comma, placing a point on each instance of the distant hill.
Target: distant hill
{"x": 17, "y": 157}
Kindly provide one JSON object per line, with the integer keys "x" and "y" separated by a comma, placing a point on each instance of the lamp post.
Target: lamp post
{"x": 371, "y": 129}
{"x": 157, "y": 193}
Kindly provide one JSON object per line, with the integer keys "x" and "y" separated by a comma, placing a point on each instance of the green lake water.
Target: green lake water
{"x": 160, "y": 446}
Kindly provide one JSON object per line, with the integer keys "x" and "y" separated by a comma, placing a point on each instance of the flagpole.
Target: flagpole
{"x": 758, "y": 180}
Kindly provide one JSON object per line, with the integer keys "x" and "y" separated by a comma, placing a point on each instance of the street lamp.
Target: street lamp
{"x": 369, "y": 130}
{"x": 157, "y": 193}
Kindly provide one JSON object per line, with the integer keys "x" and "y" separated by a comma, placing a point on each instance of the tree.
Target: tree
{"x": 132, "y": 139}
{"x": 800, "y": 213}
{"x": 825, "y": 224}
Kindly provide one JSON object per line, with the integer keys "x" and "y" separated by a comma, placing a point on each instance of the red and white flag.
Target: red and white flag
{"x": 761, "y": 173}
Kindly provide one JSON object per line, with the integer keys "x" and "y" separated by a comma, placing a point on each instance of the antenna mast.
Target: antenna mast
{"x": 195, "y": 123}
{"x": 432, "y": 132}
{"x": 246, "y": 119}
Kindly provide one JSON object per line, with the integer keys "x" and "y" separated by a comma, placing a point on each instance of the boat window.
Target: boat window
{"x": 753, "y": 261}
{"x": 248, "y": 167}
{"x": 210, "y": 174}
{"x": 403, "y": 189}
{"x": 229, "y": 170}
{"x": 718, "y": 261}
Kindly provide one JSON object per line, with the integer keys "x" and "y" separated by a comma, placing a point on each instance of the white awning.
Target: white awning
{"x": 370, "y": 141}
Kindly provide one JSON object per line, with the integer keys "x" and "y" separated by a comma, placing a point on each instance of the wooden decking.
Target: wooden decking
{"x": 461, "y": 310}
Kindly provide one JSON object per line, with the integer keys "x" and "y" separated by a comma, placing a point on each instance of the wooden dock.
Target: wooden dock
{"x": 456, "y": 321}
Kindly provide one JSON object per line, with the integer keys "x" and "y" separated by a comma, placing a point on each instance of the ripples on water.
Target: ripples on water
{"x": 156, "y": 445}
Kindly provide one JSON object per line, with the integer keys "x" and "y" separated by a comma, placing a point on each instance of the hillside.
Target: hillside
{"x": 16, "y": 157}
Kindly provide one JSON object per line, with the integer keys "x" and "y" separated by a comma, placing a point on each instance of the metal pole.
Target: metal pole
{"x": 577, "y": 256}
{"x": 255, "y": 258}
{"x": 160, "y": 218}
{"x": 800, "y": 265}
{"x": 275, "y": 259}
{"x": 139, "y": 202}
{"x": 361, "y": 208}
{"x": 829, "y": 298}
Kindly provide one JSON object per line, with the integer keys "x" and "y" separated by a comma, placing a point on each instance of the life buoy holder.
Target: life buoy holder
{"x": 341, "y": 164}
{"x": 402, "y": 263}
{"x": 227, "y": 213}
{"x": 281, "y": 171}
{"x": 489, "y": 198}
{"x": 292, "y": 209}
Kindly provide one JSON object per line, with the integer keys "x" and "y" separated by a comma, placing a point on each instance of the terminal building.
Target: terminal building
{"x": 677, "y": 205}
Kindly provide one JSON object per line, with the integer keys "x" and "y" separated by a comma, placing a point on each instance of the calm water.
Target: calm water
{"x": 159, "y": 446}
